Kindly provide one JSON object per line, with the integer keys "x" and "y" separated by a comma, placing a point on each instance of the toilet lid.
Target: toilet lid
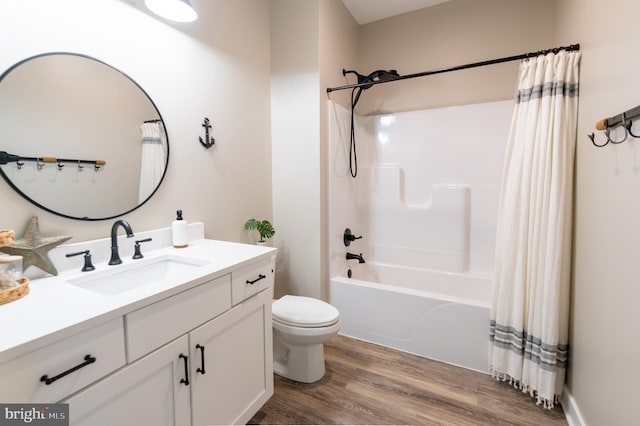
{"x": 302, "y": 311}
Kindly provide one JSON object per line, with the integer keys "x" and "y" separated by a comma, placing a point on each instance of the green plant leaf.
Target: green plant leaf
{"x": 264, "y": 228}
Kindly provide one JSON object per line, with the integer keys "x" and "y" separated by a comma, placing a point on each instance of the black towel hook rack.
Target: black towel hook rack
{"x": 41, "y": 162}
{"x": 624, "y": 120}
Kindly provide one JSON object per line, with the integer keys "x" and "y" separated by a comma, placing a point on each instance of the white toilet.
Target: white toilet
{"x": 300, "y": 327}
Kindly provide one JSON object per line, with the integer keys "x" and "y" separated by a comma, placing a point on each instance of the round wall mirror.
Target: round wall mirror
{"x": 79, "y": 138}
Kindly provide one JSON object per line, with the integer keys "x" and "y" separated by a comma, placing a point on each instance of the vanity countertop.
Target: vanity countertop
{"x": 55, "y": 309}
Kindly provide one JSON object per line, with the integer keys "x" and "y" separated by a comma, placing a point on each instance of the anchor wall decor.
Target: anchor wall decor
{"x": 207, "y": 142}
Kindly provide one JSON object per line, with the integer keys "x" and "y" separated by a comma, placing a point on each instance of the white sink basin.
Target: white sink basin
{"x": 136, "y": 274}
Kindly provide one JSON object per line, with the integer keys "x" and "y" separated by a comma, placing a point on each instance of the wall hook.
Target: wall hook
{"x": 607, "y": 133}
{"x": 80, "y": 166}
{"x": 19, "y": 164}
{"x": 39, "y": 164}
{"x": 592, "y": 136}
{"x": 208, "y": 142}
{"x": 60, "y": 166}
{"x": 628, "y": 125}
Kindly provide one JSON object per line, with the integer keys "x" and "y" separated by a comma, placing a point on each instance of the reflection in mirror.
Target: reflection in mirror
{"x": 79, "y": 138}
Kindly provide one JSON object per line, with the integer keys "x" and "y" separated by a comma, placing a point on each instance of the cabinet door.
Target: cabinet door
{"x": 147, "y": 392}
{"x": 238, "y": 363}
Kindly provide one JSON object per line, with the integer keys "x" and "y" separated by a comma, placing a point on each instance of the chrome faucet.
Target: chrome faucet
{"x": 115, "y": 256}
{"x": 351, "y": 256}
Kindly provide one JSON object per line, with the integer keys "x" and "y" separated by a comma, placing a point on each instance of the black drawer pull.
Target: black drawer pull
{"x": 88, "y": 359}
{"x": 201, "y": 369}
{"x": 260, "y": 277}
{"x": 186, "y": 369}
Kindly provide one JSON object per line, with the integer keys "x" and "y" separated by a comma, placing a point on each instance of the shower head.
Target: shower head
{"x": 378, "y": 75}
{"x": 384, "y": 75}
{"x": 366, "y": 81}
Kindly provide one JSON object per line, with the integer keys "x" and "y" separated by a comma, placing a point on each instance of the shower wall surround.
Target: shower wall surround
{"x": 426, "y": 195}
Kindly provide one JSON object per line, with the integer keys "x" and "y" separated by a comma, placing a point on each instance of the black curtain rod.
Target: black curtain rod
{"x": 459, "y": 67}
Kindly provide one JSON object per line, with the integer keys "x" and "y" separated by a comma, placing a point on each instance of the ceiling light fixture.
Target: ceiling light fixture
{"x": 174, "y": 10}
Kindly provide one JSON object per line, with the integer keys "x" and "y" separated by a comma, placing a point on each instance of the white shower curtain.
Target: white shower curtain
{"x": 154, "y": 158}
{"x": 530, "y": 311}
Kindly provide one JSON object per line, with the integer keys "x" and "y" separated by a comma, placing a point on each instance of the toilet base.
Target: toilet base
{"x": 300, "y": 363}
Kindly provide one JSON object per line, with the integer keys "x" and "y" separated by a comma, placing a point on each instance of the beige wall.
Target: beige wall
{"x": 310, "y": 43}
{"x": 338, "y": 49}
{"x": 605, "y": 342}
{"x": 217, "y": 67}
{"x": 296, "y": 146}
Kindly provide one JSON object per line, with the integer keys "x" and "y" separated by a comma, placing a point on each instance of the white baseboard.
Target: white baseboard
{"x": 571, "y": 411}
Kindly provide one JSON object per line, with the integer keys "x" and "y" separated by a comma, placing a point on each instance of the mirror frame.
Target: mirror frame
{"x": 68, "y": 216}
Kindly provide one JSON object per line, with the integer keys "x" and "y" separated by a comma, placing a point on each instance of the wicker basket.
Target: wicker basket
{"x": 7, "y": 236}
{"x": 15, "y": 293}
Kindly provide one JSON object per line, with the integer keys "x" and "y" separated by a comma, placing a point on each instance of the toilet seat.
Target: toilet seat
{"x": 304, "y": 312}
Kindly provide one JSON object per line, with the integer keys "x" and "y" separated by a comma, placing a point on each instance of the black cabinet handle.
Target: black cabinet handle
{"x": 260, "y": 277}
{"x": 186, "y": 369}
{"x": 201, "y": 369}
{"x": 88, "y": 359}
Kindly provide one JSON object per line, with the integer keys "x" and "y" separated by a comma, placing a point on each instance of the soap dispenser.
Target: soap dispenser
{"x": 179, "y": 231}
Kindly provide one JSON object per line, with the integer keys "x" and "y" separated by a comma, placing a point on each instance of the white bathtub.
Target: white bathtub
{"x": 438, "y": 315}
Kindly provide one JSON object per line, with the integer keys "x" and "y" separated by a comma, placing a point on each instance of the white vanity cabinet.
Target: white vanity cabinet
{"x": 193, "y": 358}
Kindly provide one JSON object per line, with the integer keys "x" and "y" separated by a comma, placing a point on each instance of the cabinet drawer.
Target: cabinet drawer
{"x": 251, "y": 279}
{"x": 105, "y": 343}
{"x": 154, "y": 325}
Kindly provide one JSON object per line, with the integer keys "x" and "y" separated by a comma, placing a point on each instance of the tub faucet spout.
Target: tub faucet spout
{"x": 115, "y": 256}
{"x": 359, "y": 257}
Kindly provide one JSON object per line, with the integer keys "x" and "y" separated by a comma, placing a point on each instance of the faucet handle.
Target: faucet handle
{"x": 348, "y": 237}
{"x": 88, "y": 266}
{"x": 137, "y": 253}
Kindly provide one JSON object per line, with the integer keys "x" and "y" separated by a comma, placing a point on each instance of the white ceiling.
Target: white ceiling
{"x": 365, "y": 11}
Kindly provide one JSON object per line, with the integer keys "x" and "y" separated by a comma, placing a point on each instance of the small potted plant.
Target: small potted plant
{"x": 264, "y": 228}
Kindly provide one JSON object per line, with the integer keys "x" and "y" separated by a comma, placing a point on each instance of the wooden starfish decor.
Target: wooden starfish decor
{"x": 34, "y": 248}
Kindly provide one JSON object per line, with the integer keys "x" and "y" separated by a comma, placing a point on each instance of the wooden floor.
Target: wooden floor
{"x": 371, "y": 384}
